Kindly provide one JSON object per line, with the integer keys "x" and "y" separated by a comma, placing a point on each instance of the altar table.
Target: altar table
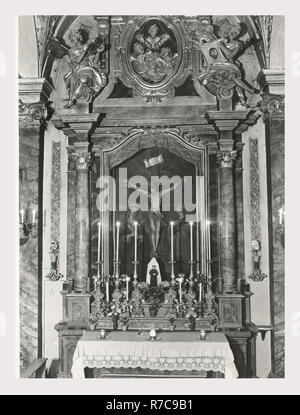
{"x": 172, "y": 351}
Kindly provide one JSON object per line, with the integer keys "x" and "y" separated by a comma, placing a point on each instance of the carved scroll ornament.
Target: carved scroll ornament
{"x": 222, "y": 74}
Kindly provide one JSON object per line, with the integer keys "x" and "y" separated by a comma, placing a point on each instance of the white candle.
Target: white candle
{"x": 33, "y": 216}
{"x": 200, "y": 291}
{"x": 191, "y": 243}
{"x": 107, "y": 291}
{"x": 208, "y": 240}
{"x": 117, "y": 241}
{"x": 99, "y": 240}
{"x": 127, "y": 288}
{"x": 22, "y": 211}
{"x": 180, "y": 293}
{"x": 135, "y": 241}
{"x": 172, "y": 241}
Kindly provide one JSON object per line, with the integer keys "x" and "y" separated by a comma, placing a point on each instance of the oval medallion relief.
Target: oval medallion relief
{"x": 154, "y": 52}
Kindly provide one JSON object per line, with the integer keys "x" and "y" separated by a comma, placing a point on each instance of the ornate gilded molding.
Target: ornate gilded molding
{"x": 255, "y": 213}
{"x": 226, "y": 159}
{"x": 195, "y": 139}
{"x": 55, "y": 190}
{"x": 111, "y": 144}
{"x": 35, "y": 113}
{"x": 54, "y": 274}
{"x": 254, "y": 190}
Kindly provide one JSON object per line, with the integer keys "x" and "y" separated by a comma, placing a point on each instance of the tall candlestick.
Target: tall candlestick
{"x": 99, "y": 249}
{"x": 117, "y": 241}
{"x": 127, "y": 288}
{"x": 208, "y": 240}
{"x": 107, "y": 291}
{"x": 135, "y": 241}
{"x": 33, "y": 216}
{"x": 200, "y": 291}
{"x": 172, "y": 240}
{"x": 191, "y": 243}
{"x": 180, "y": 293}
{"x": 22, "y": 211}
{"x": 99, "y": 241}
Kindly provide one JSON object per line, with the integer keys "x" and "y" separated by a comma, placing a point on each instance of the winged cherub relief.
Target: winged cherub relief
{"x": 223, "y": 73}
{"x": 152, "y": 57}
{"x": 84, "y": 78}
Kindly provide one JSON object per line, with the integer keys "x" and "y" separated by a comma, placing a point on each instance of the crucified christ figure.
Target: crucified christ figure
{"x": 156, "y": 218}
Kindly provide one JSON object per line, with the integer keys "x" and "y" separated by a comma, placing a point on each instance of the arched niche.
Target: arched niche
{"x": 108, "y": 159}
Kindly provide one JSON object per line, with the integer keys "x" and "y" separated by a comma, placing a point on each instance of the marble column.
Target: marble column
{"x": 71, "y": 174}
{"x": 272, "y": 82}
{"x": 227, "y": 220}
{"x": 81, "y": 223}
{"x": 227, "y": 123}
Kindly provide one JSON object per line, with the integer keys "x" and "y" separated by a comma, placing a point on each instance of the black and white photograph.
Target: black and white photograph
{"x": 151, "y": 196}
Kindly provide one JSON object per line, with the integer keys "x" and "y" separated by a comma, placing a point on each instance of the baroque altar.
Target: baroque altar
{"x": 154, "y": 96}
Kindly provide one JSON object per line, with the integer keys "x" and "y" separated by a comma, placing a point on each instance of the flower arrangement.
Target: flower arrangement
{"x": 199, "y": 278}
{"x": 192, "y": 313}
{"x": 114, "y": 311}
{"x": 172, "y": 314}
{"x": 180, "y": 308}
{"x": 165, "y": 285}
{"x": 125, "y": 313}
{"x": 143, "y": 287}
{"x": 154, "y": 297}
{"x": 93, "y": 318}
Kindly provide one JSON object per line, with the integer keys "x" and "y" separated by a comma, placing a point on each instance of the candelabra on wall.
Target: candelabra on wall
{"x": 256, "y": 275}
{"x": 54, "y": 274}
{"x": 26, "y": 227}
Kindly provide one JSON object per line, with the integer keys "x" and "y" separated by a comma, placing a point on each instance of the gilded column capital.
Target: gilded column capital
{"x": 35, "y": 113}
{"x": 226, "y": 158}
{"x": 79, "y": 156}
{"x": 34, "y": 104}
{"x": 81, "y": 161}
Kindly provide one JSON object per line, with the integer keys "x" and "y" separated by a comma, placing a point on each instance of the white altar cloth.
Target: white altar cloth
{"x": 174, "y": 351}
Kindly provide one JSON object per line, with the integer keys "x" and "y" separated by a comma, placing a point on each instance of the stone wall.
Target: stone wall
{"x": 29, "y": 271}
{"x": 275, "y": 151}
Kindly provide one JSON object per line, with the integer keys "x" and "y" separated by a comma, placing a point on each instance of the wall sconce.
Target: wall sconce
{"x": 26, "y": 227}
{"x": 54, "y": 274}
{"x": 256, "y": 275}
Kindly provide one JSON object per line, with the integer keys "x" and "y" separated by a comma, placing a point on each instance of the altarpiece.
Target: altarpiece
{"x": 154, "y": 96}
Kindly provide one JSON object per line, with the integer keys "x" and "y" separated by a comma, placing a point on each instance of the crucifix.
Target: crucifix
{"x": 155, "y": 217}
